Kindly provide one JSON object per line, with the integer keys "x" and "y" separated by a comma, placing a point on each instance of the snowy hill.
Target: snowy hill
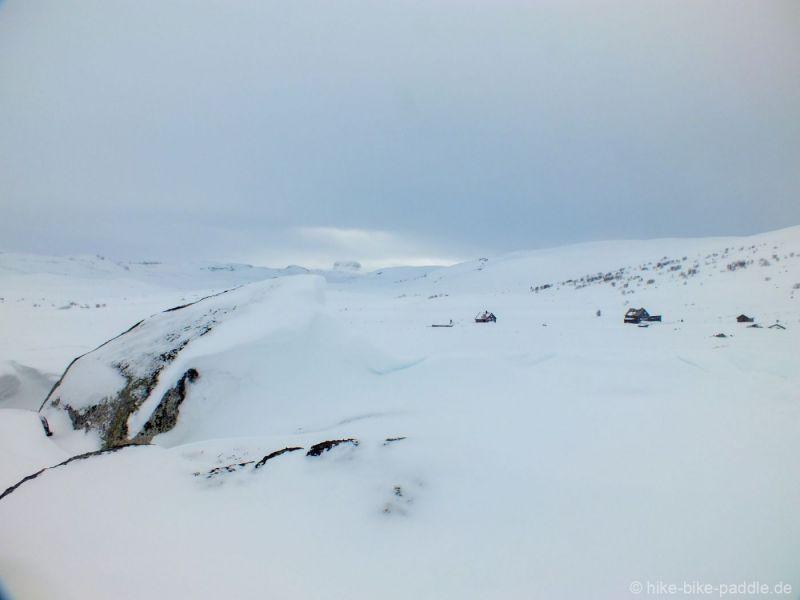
{"x": 314, "y": 437}
{"x": 185, "y": 275}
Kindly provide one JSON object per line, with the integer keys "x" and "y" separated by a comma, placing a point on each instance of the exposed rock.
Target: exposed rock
{"x": 61, "y": 464}
{"x": 272, "y": 455}
{"x": 318, "y": 449}
{"x": 45, "y": 426}
{"x": 315, "y": 450}
{"x": 165, "y": 416}
{"x": 232, "y": 468}
{"x": 174, "y": 308}
{"x": 388, "y": 441}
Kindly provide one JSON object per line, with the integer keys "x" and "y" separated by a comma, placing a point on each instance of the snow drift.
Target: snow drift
{"x": 231, "y": 364}
{"x": 132, "y": 386}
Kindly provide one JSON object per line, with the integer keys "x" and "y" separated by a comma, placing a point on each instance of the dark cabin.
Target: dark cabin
{"x": 744, "y": 319}
{"x": 637, "y": 315}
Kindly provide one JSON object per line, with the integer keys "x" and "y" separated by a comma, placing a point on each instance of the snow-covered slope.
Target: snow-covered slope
{"x": 554, "y": 454}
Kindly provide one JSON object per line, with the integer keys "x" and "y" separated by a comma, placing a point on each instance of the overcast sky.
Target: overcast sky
{"x": 412, "y": 131}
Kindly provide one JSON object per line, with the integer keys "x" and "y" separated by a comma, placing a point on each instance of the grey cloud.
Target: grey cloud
{"x": 223, "y": 128}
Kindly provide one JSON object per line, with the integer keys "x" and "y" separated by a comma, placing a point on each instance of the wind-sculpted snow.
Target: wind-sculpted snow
{"x": 132, "y": 387}
{"x": 22, "y": 386}
{"x": 101, "y": 389}
{"x": 225, "y": 365}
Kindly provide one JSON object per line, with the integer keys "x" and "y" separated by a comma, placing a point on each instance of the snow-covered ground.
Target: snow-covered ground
{"x": 553, "y": 454}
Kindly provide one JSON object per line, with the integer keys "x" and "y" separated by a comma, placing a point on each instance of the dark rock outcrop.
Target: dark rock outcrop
{"x": 388, "y": 441}
{"x": 165, "y": 416}
{"x": 272, "y": 455}
{"x": 45, "y": 426}
{"x": 318, "y": 449}
{"x": 232, "y": 468}
{"x": 61, "y": 464}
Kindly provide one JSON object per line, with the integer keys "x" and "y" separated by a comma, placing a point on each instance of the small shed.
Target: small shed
{"x": 744, "y": 319}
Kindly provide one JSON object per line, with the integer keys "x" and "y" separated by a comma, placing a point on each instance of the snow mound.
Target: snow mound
{"x": 147, "y": 369}
{"x": 254, "y": 360}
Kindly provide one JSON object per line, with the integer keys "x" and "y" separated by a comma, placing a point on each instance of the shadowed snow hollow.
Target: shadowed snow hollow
{"x": 22, "y": 386}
